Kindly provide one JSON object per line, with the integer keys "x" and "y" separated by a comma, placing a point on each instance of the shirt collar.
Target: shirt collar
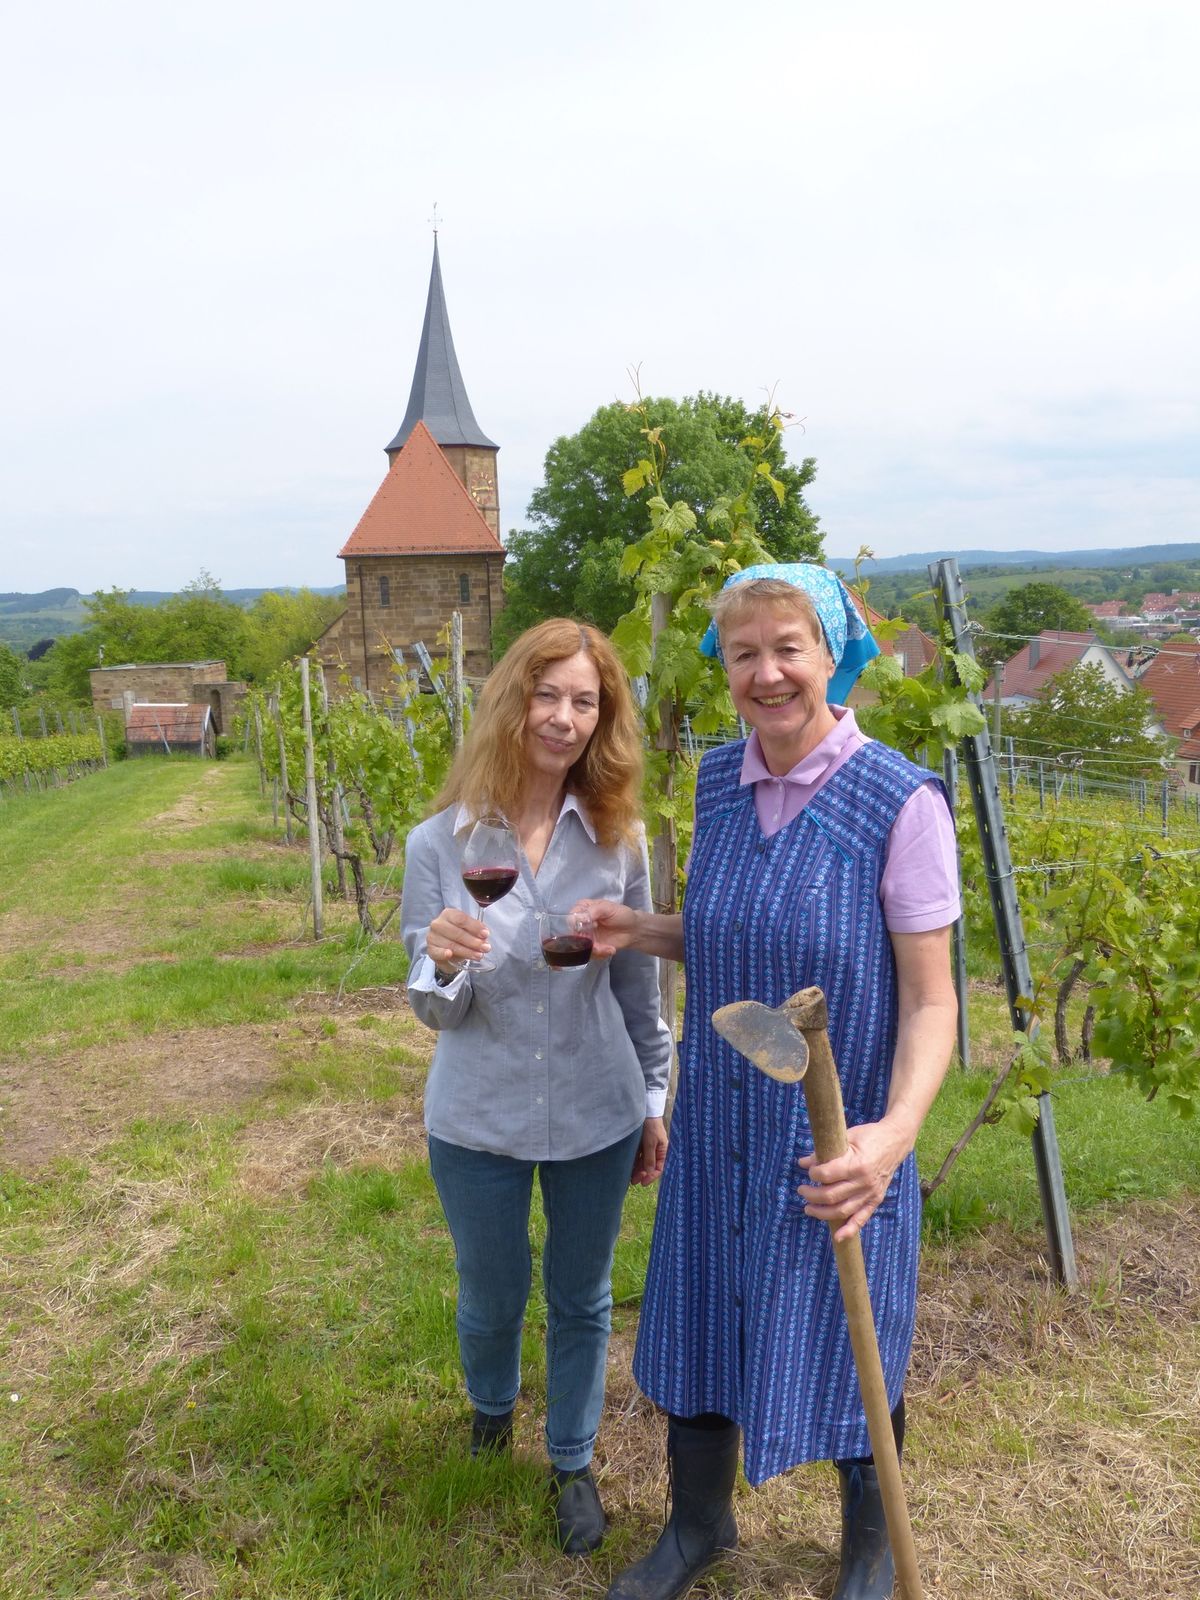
{"x": 810, "y": 767}
{"x": 463, "y": 817}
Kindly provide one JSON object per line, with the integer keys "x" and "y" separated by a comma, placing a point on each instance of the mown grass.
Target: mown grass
{"x": 231, "y": 1366}
{"x": 154, "y": 917}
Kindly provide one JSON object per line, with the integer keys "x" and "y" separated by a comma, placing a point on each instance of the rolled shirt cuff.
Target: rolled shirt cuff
{"x": 656, "y": 1102}
{"x": 424, "y": 978}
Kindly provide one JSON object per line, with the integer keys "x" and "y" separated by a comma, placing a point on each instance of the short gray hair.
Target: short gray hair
{"x": 739, "y": 600}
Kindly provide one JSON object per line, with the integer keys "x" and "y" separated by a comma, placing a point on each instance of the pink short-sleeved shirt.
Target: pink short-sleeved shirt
{"x": 919, "y": 887}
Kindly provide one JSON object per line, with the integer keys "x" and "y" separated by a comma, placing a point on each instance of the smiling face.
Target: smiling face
{"x": 564, "y": 708}
{"x": 779, "y": 669}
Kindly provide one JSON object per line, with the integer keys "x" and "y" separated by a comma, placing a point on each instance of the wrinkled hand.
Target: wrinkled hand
{"x": 615, "y": 924}
{"x": 455, "y": 937}
{"x": 652, "y": 1152}
{"x": 846, "y": 1191}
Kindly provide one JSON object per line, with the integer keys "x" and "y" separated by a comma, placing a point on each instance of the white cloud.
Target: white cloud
{"x": 960, "y": 241}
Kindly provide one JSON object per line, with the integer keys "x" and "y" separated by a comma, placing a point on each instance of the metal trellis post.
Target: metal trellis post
{"x": 959, "y": 932}
{"x": 983, "y": 780}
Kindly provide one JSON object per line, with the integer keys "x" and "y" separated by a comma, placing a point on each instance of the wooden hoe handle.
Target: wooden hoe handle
{"x": 827, "y": 1115}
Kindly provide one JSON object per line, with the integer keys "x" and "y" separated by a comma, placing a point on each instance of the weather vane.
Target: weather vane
{"x": 435, "y": 219}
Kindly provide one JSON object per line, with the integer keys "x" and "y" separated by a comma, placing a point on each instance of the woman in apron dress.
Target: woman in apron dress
{"x": 818, "y": 857}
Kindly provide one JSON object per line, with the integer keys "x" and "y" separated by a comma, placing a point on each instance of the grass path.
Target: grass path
{"x": 226, "y": 1292}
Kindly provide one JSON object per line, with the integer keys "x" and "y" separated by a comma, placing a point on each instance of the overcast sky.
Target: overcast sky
{"x": 960, "y": 242}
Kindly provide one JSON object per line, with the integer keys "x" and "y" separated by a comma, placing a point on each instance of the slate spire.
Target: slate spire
{"x": 439, "y": 397}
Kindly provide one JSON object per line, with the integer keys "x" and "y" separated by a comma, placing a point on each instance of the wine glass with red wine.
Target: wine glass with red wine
{"x": 490, "y": 866}
{"x": 567, "y": 938}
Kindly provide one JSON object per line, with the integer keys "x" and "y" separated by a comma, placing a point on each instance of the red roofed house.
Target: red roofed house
{"x": 1172, "y": 680}
{"x": 429, "y": 542}
{"x": 913, "y": 649}
{"x": 1157, "y": 606}
{"x": 1025, "y": 676}
{"x": 1107, "y": 610}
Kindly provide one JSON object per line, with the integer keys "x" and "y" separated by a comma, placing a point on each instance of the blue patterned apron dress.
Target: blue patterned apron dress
{"x": 742, "y": 1312}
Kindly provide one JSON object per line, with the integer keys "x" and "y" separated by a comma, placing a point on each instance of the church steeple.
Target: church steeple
{"x": 439, "y": 397}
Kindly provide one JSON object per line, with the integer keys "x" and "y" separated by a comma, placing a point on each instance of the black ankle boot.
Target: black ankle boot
{"x": 702, "y": 1466}
{"x": 866, "y": 1572}
{"x": 577, "y": 1510}
{"x": 491, "y": 1433}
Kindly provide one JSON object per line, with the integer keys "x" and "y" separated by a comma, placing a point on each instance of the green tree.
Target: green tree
{"x": 569, "y": 560}
{"x": 1081, "y": 711}
{"x": 280, "y": 627}
{"x": 201, "y": 624}
{"x": 1024, "y": 612}
{"x": 198, "y": 624}
{"x": 12, "y": 677}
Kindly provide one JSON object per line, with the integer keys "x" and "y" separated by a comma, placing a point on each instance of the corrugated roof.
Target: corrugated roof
{"x": 421, "y": 508}
{"x": 152, "y": 666}
{"x": 438, "y": 397}
{"x": 1172, "y": 680}
{"x": 174, "y": 723}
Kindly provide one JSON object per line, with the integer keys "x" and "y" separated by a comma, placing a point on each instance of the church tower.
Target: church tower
{"x": 429, "y": 542}
{"x": 438, "y": 398}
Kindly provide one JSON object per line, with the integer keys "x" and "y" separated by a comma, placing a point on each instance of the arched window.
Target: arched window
{"x": 385, "y": 593}
{"x": 464, "y": 588}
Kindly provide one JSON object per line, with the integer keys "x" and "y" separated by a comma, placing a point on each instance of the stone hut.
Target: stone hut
{"x": 169, "y": 683}
{"x": 429, "y": 542}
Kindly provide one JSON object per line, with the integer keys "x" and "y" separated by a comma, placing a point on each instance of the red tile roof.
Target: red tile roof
{"x": 1172, "y": 680}
{"x": 1183, "y": 600}
{"x": 421, "y": 508}
{"x": 916, "y": 646}
{"x": 1055, "y": 652}
{"x": 1108, "y": 608}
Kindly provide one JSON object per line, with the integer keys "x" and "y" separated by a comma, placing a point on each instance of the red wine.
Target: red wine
{"x": 486, "y": 885}
{"x": 567, "y": 950}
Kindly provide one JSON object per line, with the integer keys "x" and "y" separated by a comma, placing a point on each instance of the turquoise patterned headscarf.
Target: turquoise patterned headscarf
{"x": 847, "y": 635}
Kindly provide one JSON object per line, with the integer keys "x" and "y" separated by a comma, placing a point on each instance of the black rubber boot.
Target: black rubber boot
{"x": 577, "y": 1510}
{"x": 702, "y": 1466}
{"x": 491, "y": 1433}
{"x": 866, "y": 1572}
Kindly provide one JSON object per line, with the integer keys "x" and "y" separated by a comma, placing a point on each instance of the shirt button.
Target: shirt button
{"x": 736, "y": 1081}
{"x": 537, "y": 1055}
{"x": 539, "y": 965}
{"x": 736, "y": 1155}
{"x": 539, "y": 1099}
{"x": 738, "y": 925}
{"x": 541, "y": 1007}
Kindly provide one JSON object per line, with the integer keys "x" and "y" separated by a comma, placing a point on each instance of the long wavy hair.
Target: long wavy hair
{"x": 489, "y": 771}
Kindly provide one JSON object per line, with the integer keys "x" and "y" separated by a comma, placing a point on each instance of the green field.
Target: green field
{"x": 228, "y": 1294}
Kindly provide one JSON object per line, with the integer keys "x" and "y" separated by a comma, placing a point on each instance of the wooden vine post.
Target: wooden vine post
{"x": 664, "y": 868}
{"x": 337, "y": 834}
{"x": 313, "y": 820}
{"x": 277, "y": 719}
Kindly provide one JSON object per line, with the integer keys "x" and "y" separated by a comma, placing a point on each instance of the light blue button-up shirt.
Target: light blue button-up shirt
{"x": 533, "y": 1063}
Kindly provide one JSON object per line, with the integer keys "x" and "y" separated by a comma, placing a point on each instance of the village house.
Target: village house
{"x": 428, "y": 543}
{"x": 1171, "y": 677}
{"x": 1024, "y": 677}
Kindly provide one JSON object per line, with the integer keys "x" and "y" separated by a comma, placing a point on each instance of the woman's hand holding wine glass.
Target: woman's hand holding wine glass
{"x": 491, "y": 864}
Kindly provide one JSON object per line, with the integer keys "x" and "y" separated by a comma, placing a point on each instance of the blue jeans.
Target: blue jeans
{"x": 486, "y": 1199}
